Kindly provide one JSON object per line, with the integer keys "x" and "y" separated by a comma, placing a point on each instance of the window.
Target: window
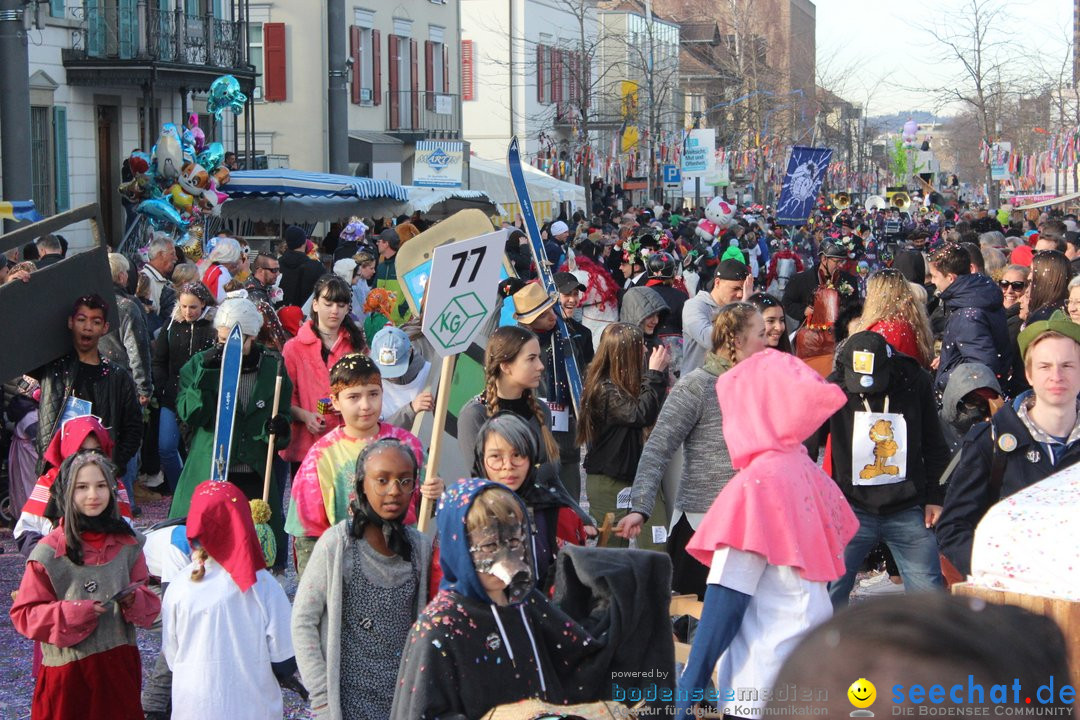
{"x": 41, "y": 159}
{"x": 255, "y": 56}
{"x": 48, "y": 153}
{"x": 364, "y": 54}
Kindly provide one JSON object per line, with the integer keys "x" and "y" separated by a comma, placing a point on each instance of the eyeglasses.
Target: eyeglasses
{"x": 498, "y": 462}
{"x": 1016, "y": 285}
{"x": 1073, "y": 305}
{"x": 274, "y": 270}
{"x": 404, "y": 484}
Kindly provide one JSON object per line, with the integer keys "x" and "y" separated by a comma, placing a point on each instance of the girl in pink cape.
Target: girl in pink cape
{"x": 773, "y": 538}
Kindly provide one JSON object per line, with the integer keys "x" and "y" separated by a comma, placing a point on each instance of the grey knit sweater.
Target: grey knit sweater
{"x": 691, "y": 417}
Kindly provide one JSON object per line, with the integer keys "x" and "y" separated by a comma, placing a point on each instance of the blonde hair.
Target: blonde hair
{"x": 889, "y": 296}
{"x": 493, "y": 505}
{"x": 200, "y": 556}
{"x": 731, "y": 322}
{"x": 184, "y": 273}
{"x": 619, "y": 359}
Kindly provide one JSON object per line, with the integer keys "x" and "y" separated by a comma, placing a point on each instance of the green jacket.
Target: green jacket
{"x": 196, "y": 406}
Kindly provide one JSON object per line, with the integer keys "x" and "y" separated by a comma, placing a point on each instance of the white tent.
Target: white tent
{"x": 545, "y": 191}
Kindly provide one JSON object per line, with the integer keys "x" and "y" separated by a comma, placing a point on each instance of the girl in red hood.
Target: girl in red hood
{"x": 773, "y": 538}
{"x": 39, "y": 515}
{"x": 82, "y": 593}
{"x": 225, "y": 619}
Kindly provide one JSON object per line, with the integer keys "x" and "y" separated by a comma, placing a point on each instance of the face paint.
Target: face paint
{"x": 499, "y": 550}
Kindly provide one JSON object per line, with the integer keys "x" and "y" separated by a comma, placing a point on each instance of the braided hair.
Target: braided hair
{"x": 504, "y": 345}
{"x": 730, "y": 323}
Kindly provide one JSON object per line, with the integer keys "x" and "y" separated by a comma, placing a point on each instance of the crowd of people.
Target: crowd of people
{"x": 767, "y": 413}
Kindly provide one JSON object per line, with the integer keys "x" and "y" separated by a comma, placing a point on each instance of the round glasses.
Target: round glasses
{"x": 382, "y": 485}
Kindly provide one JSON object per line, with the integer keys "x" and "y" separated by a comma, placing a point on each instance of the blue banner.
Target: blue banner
{"x": 805, "y": 171}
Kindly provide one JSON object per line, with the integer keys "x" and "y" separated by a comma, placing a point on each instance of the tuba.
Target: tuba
{"x": 875, "y": 202}
{"x": 901, "y": 201}
{"x": 841, "y": 201}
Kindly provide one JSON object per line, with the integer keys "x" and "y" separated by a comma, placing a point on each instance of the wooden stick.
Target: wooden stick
{"x": 273, "y": 437}
{"x": 446, "y": 375}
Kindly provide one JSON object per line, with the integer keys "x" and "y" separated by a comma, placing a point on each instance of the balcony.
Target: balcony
{"x": 418, "y": 115}
{"x": 136, "y": 45}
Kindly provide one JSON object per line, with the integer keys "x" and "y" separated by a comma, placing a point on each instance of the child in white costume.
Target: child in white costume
{"x": 225, "y": 619}
{"x": 773, "y": 538}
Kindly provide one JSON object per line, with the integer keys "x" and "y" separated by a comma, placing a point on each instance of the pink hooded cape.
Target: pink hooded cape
{"x": 780, "y": 504}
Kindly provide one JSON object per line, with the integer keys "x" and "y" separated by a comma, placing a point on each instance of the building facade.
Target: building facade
{"x": 104, "y": 76}
{"x": 404, "y": 81}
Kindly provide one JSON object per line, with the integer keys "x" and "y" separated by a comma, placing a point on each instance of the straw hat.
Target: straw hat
{"x": 530, "y": 302}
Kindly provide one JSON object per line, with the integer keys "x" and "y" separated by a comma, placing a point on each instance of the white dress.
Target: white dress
{"x": 783, "y": 606}
{"x": 220, "y": 642}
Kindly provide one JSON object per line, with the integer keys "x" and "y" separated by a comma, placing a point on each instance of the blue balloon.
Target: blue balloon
{"x": 161, "y": 213}
{"x": 212, "y": 156}
{"x": 225, "y": 93}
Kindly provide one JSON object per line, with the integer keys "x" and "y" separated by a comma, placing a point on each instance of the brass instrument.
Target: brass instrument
{"x": 901, "y": 201}
{"x": 875, "y": 202}
{"x": 841, "y": 200}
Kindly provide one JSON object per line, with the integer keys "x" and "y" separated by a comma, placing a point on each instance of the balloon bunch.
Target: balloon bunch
{"x": 180, "y": 179}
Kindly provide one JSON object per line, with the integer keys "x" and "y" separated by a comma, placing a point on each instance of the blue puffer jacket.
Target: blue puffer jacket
{"x": 975, "y": 328}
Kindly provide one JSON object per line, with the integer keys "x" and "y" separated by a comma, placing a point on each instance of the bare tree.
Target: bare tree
{"x": 974, "y": 40}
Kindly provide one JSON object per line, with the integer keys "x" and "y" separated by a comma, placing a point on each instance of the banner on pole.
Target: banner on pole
{"x": 802, "y": 181}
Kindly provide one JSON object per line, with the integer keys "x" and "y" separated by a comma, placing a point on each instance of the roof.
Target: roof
{"x": 375, "y": 138}
{"x": 297, "y": 183}
{"x": 699, "y": 32}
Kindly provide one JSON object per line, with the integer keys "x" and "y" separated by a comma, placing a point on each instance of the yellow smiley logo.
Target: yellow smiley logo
{"x": 862, "y": 693}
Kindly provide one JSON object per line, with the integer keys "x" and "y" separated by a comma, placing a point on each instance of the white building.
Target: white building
{"x": 105, "y": 75}
{"x": 530, "y": 58}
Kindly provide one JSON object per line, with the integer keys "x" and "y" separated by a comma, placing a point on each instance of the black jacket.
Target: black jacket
{"x": 178, "y": 342}
{"x": 620, "y": 421}
{"x": 799, "y": 292}
{"x": 975, "y": 328}
{"x": 910, "y": 394}
{"x": 114, "y": 401}
{"x": 968, "y": 496}
{"x": 298, "y": 276}
{"x": 1018, "y": 379}
{"x": 671, "y": 323}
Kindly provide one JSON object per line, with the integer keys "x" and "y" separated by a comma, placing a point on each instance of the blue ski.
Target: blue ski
{"x": 231, "y": 358}
{"x": 543, "y": 268}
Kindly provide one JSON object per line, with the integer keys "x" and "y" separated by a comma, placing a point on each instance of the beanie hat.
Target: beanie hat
{"x": 558, "y": 228}
{"x": 295, "y": 237}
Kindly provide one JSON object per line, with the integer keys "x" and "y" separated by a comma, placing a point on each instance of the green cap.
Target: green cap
{"x": 1059, "y": 322}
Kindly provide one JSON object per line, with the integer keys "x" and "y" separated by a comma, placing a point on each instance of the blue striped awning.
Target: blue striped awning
{"x": 297, "y": 183}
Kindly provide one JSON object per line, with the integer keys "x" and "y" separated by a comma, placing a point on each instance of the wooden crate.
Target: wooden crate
{"x": 1066, "y": 613}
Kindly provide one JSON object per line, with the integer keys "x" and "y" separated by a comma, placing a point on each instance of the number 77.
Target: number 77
{"x": 461, "y": 257}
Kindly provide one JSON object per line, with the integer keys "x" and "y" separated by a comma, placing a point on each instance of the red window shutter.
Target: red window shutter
{"x": 354, "y": 53}
{"x": 429, "y": 66}
{"x": 274, "y": 88}
{"x": 415, "y": 84}
{"x": 394, "y": 50}
{"x": 429, "y": 75}
{"x": 468, "y": 90}
{"x": 541, "y": 76}
{"x": 557, "y": 93}
{"x": 553, "y": 75}
{"x": 376, "y": 68}
{"x": 445, "y": 68}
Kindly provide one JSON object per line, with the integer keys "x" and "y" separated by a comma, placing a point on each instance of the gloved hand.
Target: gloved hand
{"x": 277, "y": 425}
{"x": 212, "y": 358}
